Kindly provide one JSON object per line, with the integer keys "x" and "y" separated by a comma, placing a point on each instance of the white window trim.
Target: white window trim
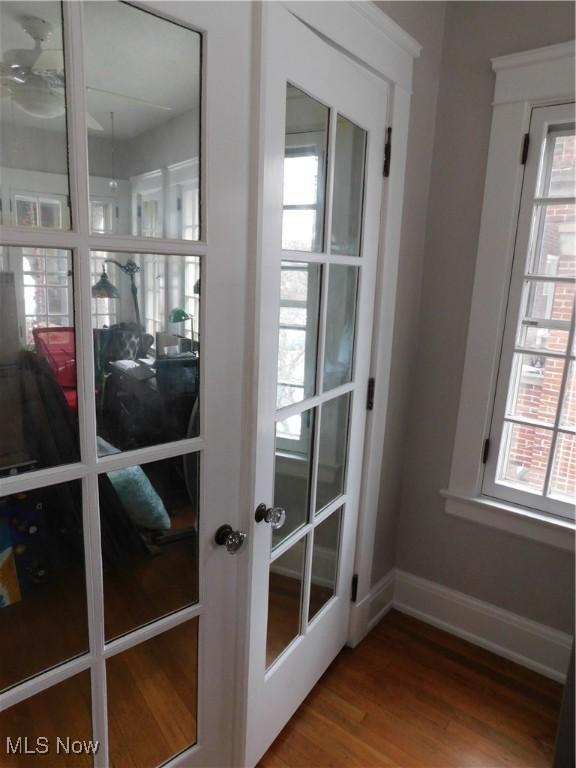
{"x": 523, "y": 81}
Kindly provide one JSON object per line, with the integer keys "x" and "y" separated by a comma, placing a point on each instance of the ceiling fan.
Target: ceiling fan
{"x": 34, "y": 77}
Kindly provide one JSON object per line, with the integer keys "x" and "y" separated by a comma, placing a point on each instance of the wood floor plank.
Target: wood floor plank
{"x": 412, "y": 696}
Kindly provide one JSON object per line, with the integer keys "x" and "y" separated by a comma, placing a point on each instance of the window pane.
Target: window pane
{"x": 324, "y": 562}
{"x": 340, "y": 324}
{"x": 146, "y": 349}
{"x": 568, "y": 418}
{"x": 38, "y": 391}
{"x": 332, "y": 450}
{"x": 63, "y": 711}
{"x": 143, "y": 122}
{"x": 535, "y": 388}
{"x": 152, "y": 698}
{"x": 285, "y": 600}
{"x": 293, "y": 467}
{"x": 33, "y": 143}
{"x": 523, "y": 459}
{"x": 149, "y": 522}
{"x": 348, "y": 188}
{"x": 562, "y": 179}
{"x": 42, "y": 587}
{"x": 552, "y": 246}
{"x": 563, "y": 478}
{"x": 298, "y": 333}
{"x": 304, "y": 172}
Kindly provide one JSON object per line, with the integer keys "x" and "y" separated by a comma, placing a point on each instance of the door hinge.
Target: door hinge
{"x": 485, "y": 451}
{"x": 354, "y": 591}
{"x": 370, "y": 394}
{"x": 387, "y": 152}
{"x": 525, "y": 147}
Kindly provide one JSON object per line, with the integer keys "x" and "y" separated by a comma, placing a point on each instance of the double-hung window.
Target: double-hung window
{"x": 532, "y": 457}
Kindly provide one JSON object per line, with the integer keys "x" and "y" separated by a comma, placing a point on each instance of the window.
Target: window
{"x": 154, "y": 292}
{"x": 514, "y": 460}
{"x": 38, "y": 211}
{"x": 534, "y": 458}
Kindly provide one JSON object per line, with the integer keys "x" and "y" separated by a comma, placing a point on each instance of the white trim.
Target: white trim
{"x": 363, "y": 33}
{"x": 534, "y": 56}
{"x": 523, "y": 81}
{"x": 526, "y": 523}
{"x": 523, "y": 641}
{"x": 529, "y": 643}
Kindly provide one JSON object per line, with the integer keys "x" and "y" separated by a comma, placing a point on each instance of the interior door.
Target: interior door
{"x": 120, "y": 400}
{"x": 323, "y": 126}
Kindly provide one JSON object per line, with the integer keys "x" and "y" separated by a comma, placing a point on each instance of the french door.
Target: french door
{"x": 323, "y": 145}
{"x": 123, "y": 198}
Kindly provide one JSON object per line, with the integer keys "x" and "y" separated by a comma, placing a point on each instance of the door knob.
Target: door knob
{"x": 227, "y": 537}
{"x": 276, "y": 516}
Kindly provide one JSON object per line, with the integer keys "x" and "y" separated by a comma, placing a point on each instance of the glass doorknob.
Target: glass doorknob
{"x": 276, "y": 516}
{"x": 227, "y": 537}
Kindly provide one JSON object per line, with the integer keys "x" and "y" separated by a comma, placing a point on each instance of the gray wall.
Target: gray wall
{"x": 425, "y": 22}
{"x": 523, "y": 576}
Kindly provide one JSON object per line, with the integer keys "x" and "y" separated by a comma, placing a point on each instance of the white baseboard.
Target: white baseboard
{"x": 533, "y": 645}
{"x": 526, "y": 642}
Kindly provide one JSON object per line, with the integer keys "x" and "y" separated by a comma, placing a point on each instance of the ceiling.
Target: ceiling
{"x": 127, "y": 51}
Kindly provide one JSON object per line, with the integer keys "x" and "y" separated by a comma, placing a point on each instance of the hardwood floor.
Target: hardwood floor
{"x": 412, "y": 696}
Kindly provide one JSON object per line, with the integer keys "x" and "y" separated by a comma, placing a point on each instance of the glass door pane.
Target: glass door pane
{"x": 34, "y": 187}
{"x": 146, "y": 348}
{"x": 38, "y": 388}
{"x": 304, "y": 172}
{"x": 143, "y": 101}
{"x": 348, "y": 188}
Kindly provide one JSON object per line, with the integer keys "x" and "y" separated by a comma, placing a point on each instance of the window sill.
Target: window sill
{"x": 518, "y": 521}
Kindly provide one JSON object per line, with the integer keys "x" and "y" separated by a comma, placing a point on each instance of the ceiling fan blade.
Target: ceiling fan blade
{"x": 92, "y": 123}
{"x": 129, "y": 98}
{"x": 50, "y": 59}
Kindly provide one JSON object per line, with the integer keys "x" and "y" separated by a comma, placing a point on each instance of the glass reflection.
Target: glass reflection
{"x": 348, "y": 188}
{"x": 149, "y": 523}
{"x": 332, "y": 450}
{"x": 304, "y": 172}
{"x": 146, "y": 314}
{"x": 284, "y": 600}
{"x": 152, "y": 695}
{"x": 34, "y": 185}
{"x": 292, "y": 471}
{"x": 42, "y": 588}
{"x": 143, "y": 101}
{"x": 63, "y": 711}
{"x": 324, "y": 562}
{"x": 298, "y": 331}
{"x": 340, "y": 324}
{"x": 38, "y": 391}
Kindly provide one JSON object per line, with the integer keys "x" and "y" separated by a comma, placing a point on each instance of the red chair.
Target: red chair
{"x": 57, "y": 345}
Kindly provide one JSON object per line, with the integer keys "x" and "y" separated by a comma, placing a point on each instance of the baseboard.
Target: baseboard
{"x": 533, "y": 645}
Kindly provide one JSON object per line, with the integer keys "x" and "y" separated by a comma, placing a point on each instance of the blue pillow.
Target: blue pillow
{"x": 141, "y": 502}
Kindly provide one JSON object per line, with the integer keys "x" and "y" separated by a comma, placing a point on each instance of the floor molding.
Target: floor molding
{"x": 526, "y": 642}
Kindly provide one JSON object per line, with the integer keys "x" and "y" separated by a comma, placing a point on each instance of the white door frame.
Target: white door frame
{"x": 372, "y": 39}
